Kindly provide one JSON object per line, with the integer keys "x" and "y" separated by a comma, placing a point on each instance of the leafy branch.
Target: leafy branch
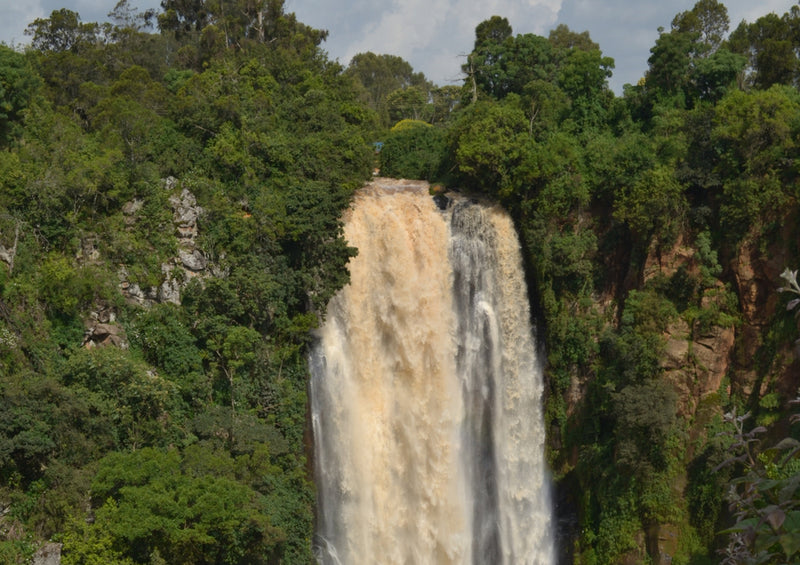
{"x": 791, "y": 285}
{"x": 764, "y": 499}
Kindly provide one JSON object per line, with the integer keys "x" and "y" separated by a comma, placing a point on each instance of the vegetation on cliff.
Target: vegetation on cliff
{"x": 183, "y": 441}
{"x": 171, "y": 187}
{"x": 655, "y": 226}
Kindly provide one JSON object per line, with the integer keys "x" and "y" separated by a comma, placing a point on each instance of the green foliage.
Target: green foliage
{"x": 16, "y": 552}
{"x": 270, "y": 137}
{"x": 493, "y": 147}
{"x": 653, "y": 206}
{"x": 646, "y": 418}
{"x": 390, "y": 87}
{"x": 413, "y": 152}
{"x": 756, "y": 133}
{"x": 768, "y": 43}
{"x": 715, "y": 75}
{"x": 407, "y": 103}
{"x": 18, "y": 85}
{"x": 127, "y": 392}
{"x": 150, "y": 504}
{"x": 165, "y": 341}
{"x": 708, "y": 19}
{"x": 707, "y": 486}
{"x": 62, "y": 31}
{"x": 583, "y": 78}
{"x": 191, "y": 442}
{"x": 764, "y": 499}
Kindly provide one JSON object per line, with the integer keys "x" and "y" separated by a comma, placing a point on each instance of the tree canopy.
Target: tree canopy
{"x": 172, "y": 184}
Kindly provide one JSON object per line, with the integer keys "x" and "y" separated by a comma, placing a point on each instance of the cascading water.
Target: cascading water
{"x": 426, "y": 392}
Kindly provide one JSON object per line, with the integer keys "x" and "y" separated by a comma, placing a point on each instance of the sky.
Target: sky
{"x": 435, "y": 35}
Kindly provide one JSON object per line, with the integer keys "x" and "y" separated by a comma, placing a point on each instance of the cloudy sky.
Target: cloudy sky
{"x": 434, "y": 35}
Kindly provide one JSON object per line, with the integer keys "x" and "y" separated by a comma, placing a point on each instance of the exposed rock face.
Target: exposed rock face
{"x": 696, "y": 362}
{"x": 8, "y": 254}
{"x": 696, "y": 358}
{"x": 193, "y": 261}
{"x": 48, "y": 554}
{"x": 699, "y": 357}
{"x": 88, "y": 253}
{"x": 190, "y": 261}
{"x": 103, "y": 331}
{"x": 185, "y": 213}
{"x": 666, "y": 262}
{"x": 757, "y": 278}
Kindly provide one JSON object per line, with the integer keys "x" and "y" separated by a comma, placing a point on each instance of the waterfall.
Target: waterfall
{"x": 426, "y": 392}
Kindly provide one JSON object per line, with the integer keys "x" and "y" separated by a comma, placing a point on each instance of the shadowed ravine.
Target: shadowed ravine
{"x": 426, "y": 392}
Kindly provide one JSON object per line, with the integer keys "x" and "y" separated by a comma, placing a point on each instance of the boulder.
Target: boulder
{"x": 48, "y": 554}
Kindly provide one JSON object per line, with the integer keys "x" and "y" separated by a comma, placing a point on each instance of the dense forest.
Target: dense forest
{"x": 171, "y": 191}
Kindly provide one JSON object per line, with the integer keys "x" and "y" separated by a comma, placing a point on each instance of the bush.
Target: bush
{"x": 413, "y": 151}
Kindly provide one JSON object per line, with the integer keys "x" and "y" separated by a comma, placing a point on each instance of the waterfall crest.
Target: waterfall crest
{"x": 426, "y": 392}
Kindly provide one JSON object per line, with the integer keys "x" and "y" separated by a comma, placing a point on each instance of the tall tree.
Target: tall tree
{"x": 770, "y": 44}
{"x": 493, "y": 31}
{"x": 62, "y": 31}
{"x": 669, "y": 63}
{"x": 709, "y": 20}
{"x": 564, "y": 38}
{"x": 18, "y": 84}
{"x": 382, "y": 76}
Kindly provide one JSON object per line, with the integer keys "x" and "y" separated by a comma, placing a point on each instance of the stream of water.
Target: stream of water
{"x": 426, "y": 392}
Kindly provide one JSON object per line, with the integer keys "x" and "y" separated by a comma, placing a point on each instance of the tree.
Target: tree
{"x": 494, "y": 31}
{"x": 493, "y": 149}
{"x": 183, "y": 17}
{"x": 128, "y": 17}
{"x": 646, "y": 416}
{"x": 565, "y": 39}
{"x": 716, "y": 75}
{"x": 708, "y": 20}
{"x": 491, "y": 37}
{"x": 754, "y": 136}
{"x": 653, "y": 205}
{"x": 445, "y": 100}
{"x": 384, "y": 75}
{"x": 19, "y": 84}
{"x": 769, "y": 44}
{"x": 413, "y": 152}
{"x": 582, "y": 77}
{"x": 688, "y": 62}
{"x": 150, "y": 505}
{"x": 61, "y": 32}
{"x": 669, "y": 63}
{"x": 500, "y": 69}
{"x": 408, "y": 103}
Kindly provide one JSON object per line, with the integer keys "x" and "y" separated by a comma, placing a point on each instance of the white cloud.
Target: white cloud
{"x": 432, "y": 34}
{"x": 739, "y": 10}
{"x": 16, "y": 17}
{"x": 408, "y": 27}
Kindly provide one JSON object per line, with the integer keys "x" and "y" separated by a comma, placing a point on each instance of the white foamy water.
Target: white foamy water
{"x": 426, "y": 392}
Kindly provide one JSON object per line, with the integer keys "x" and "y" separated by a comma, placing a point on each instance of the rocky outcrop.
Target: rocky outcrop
{"x": 8, "y": 254}
{"x": 185, "y": 215}
{"x": 696, "y": 362}
{"x": 48, "y": 554}
{"x": 103, "y": 331}
{"x": 88, "y": 253}
{"x": 697, "y": 357}
{"x": 190, "y": 261}
{"x": 666, "y": 262}
{"x": 756, "y": 273}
